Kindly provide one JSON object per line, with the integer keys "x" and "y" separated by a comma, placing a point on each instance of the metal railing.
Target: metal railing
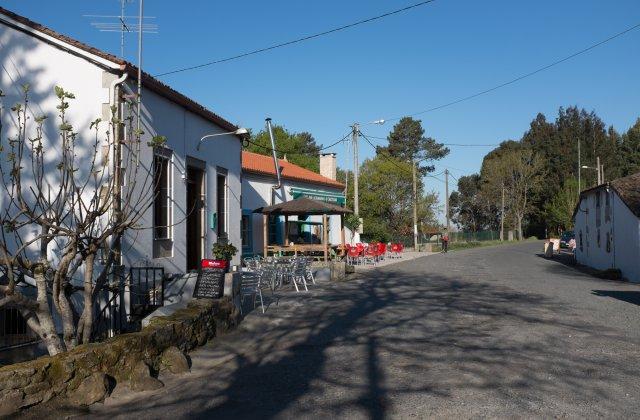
{"x": 146, "y": 288}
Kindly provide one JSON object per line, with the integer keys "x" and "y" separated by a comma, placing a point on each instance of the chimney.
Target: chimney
{"x": 328, "y": 165}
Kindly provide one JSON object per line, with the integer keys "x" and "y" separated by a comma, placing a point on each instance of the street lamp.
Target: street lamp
{"x": 238, "y": 132}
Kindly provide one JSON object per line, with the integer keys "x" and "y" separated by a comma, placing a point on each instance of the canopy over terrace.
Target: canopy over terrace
{"x": 303, "y": 207}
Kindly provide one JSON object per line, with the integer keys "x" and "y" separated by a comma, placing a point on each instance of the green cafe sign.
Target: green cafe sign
{"x": 325, "y": 196}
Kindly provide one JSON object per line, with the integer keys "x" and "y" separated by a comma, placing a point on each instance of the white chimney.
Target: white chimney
{"x": 328, "y": 166}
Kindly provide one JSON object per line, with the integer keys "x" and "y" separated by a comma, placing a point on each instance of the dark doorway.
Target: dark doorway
{"x": 195, "y": 217}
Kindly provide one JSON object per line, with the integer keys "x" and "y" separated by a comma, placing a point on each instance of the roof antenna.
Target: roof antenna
{"x": 123, "y": 24}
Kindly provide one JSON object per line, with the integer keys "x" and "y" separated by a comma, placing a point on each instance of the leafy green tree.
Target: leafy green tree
{"x": 299, "y": 148}
{"x": 629, "y": 157}
{"x": 386, "y": 202}
{"x": 407, "y": 142}
{"x": 559, "y": 211}
{"x": 470, "y": 210}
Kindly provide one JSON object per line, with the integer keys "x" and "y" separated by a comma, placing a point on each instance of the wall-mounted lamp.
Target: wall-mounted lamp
{"x": 239, "y": 132}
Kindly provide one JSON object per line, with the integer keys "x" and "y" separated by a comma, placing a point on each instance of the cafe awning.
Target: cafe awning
{"x": 303, "y": 206}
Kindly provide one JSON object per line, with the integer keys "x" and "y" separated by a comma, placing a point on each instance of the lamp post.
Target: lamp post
{"x": 238, "y": 132}
{"x": 597, "y": 169}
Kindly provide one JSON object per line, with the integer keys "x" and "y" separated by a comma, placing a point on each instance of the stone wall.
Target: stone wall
{"x": 73, "y": 376}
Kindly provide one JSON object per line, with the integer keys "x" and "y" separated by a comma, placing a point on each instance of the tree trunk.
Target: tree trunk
{"x": 45, "y": 327}
{"x": 87, "y": 312}
{"x": 519, "y": 227}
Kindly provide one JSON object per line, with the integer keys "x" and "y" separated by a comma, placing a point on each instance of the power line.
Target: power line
{"x": 451, "y": 144}
{"x": 295, "y": 41}
{"x": 269, "y": 149}
{"x": 524, "y": 76}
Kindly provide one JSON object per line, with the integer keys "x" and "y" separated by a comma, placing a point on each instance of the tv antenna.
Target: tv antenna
{"x": 124, "y": 23}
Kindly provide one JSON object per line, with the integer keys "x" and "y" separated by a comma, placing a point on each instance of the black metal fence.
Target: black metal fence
{"x": 146, "y": 289}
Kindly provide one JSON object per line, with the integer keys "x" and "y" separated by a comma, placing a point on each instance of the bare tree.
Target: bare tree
{"x": 67, "y": 215}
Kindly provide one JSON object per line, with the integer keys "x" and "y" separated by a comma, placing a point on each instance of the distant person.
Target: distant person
{"x": 445, "y": 242}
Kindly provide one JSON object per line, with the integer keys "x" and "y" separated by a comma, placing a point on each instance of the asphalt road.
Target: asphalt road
{"x": 497, "y": 332}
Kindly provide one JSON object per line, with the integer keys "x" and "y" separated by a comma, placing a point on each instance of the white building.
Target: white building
{"x": 607, "y": 227}
{"x": 194, "y": 195}
{"x": 209, "y": 179}
{"x": 259, "y": 180}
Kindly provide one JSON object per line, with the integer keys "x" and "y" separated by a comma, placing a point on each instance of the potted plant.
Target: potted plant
{"x": 224, "y": 252}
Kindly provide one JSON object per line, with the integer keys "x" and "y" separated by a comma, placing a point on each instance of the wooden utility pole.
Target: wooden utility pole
{"x": 598, "y": 170}
{"x": 446, "y": 193}
{"x": 356, "y": 170}
{"x": 502, "y": 215}
{"x": 415, "y": 205}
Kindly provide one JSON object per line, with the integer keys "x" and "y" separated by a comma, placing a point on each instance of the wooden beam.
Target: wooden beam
{"x": 342, "y": 231}
{"x": 265, "y": 233}
{"x": 325, "y": 242}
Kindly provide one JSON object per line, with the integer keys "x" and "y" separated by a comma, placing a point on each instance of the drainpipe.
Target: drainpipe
{"x": 114, "y": 101}
{"x": 275, "y": 162}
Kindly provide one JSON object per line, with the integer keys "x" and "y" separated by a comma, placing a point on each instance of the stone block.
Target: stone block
{"x": 93, "y": 389}
{"x": 141, "y": 379}
{"x": 174, "y": 361}
{"x": 10, "y": 401}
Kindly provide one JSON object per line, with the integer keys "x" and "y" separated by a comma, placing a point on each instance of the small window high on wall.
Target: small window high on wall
{"x": 162, "y": 203}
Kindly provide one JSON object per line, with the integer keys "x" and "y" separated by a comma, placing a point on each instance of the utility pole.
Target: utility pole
{"x": 502, "y": 215}
{"x": 579, "y": 169}
{"x": 356, "y": 169}
{"x": 415, "y": 205}
{"x": 446, "y": 189}
{"x": 598, "y": 170}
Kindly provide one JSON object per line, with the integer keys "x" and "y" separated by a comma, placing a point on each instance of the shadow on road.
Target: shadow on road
{"x": 623, "y": 295}
{"x": 368, "y": 347}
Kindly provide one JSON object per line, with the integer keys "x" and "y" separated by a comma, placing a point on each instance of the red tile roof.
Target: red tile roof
{"x": 263, "y": 165}
{"x": 148, "y": 81}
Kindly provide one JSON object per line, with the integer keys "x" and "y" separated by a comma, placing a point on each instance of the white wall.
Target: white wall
{"x": 256, "y": 192}
{"x": 627, "y": 241}
{"x": 183, "y": 130}
{"x": 624, "y": 228}
{"x": 26, "y": 59}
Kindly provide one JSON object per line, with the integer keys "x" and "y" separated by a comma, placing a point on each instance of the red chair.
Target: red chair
{"x": 382, "y": 250}
{"x": 354, "y": 256}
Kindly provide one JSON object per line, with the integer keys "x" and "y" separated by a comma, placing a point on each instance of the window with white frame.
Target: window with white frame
{"x": 162, "y": 203}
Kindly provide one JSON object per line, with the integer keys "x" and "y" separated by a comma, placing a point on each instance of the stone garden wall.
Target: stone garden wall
{"x": 88, "y": 373}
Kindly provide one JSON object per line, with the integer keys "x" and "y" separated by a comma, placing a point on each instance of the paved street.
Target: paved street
{"x": 485, "y": 332}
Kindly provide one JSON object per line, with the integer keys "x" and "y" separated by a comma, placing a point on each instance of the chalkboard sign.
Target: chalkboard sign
{"x": 210, "y": 283}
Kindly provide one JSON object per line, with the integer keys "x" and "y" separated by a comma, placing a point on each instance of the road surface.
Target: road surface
{"x": 484, "y": 332}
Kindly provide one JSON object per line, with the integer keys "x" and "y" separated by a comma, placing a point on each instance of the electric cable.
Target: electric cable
{"x": 295, "y": 41}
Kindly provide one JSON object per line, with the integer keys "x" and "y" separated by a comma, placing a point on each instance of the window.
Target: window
{"x": 598, "y": 237}
{"x": 246, "y": 231}
{"x": 162, "y": 204}
{"x": 580, "y": 236}
{"x": 607, "y": 207}
{"x": 608, "y": 241}
{"x": 221, "y": 204}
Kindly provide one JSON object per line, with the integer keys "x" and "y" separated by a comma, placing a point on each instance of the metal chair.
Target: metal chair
{"x": 250, "y": 286}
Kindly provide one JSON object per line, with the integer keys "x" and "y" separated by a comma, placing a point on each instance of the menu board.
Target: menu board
{"x": 210, "y": 282}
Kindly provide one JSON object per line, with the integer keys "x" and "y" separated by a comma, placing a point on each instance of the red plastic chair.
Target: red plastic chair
{"x": 382, "y": 250}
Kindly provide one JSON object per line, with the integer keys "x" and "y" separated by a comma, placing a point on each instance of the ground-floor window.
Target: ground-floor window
{"x": 246, "y": 231}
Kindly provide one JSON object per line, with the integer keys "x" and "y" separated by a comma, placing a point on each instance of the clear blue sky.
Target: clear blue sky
{"x": 399, "y": 65}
